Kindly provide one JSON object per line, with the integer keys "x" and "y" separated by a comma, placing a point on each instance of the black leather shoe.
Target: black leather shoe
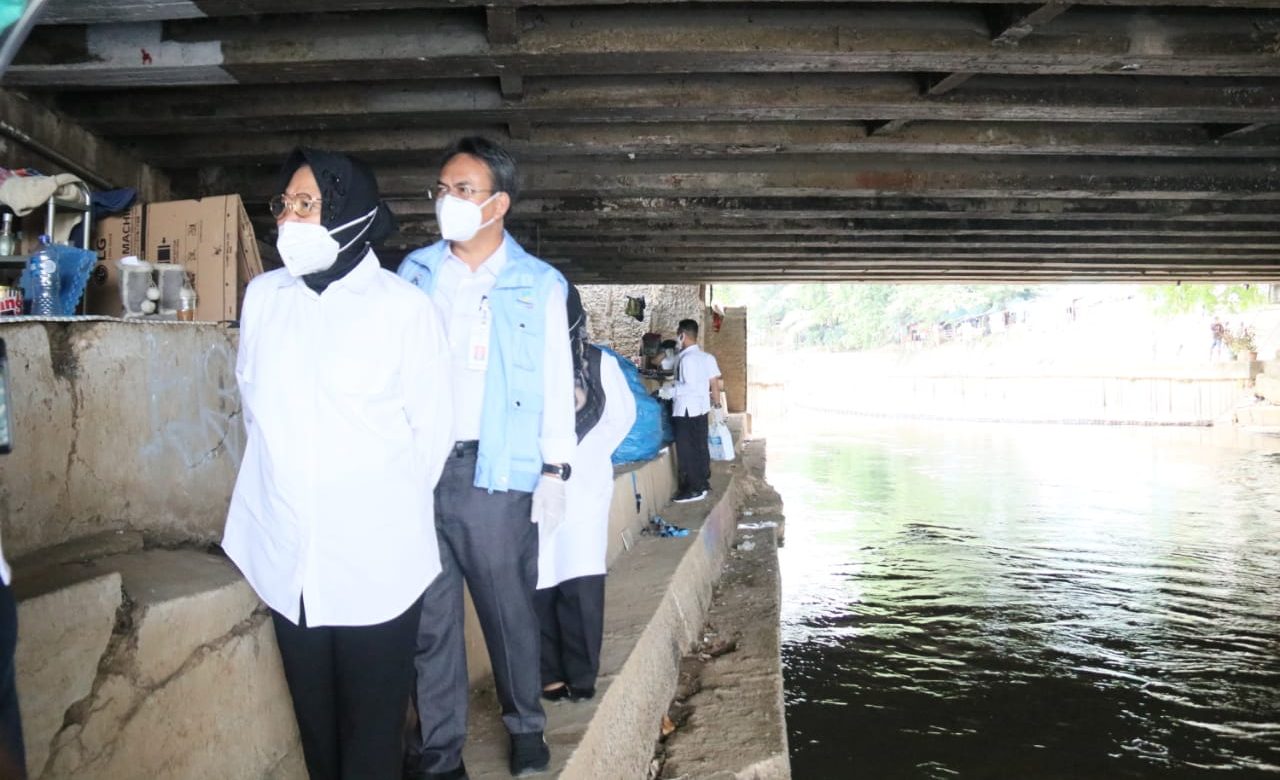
{"x": 556, "y": 694}
{"x": 529, "y": 754}
{"x": 581, "y": 694}
{"x": 453, "y": 774}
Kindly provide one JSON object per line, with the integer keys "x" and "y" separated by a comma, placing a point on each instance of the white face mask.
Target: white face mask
{"x": 668, "y": 362}
{"x": 308, "y": 248}
{"x": 460, "y": 219}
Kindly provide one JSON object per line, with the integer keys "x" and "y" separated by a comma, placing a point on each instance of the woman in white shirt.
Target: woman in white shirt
{"x": 342, "y": 370}
{"x": 571, "y": 556}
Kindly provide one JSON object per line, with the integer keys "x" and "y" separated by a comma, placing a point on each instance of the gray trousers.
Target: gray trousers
{"x": 487, "y": 540}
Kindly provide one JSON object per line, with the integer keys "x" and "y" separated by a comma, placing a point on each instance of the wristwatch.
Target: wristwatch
{"x": 561, "y": 470}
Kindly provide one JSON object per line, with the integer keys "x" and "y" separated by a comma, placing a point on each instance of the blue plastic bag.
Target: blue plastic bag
{"x": 74, "y": 267}
{"x": 644, "y": 440}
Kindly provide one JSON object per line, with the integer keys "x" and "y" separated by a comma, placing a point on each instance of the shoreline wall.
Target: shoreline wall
{"x": 1168, "y": 394}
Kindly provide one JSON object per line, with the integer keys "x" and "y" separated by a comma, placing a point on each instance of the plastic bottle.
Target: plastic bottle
{"x": 43, "y": 269}
{"x": 187, "y": 303}
{"x": 7, "y": 244}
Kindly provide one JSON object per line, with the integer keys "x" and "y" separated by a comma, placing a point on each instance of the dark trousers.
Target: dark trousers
{"x": 692, "y": 453}
{"x": 572, "y": 618}
{"x": 488, "y": 542}
{"x": 13, "y": 756}
{"x": 350, "y": 687}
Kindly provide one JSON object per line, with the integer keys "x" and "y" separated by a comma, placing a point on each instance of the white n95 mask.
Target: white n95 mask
{"x": 308, "y": 248}
{"x": 460, "y": 219}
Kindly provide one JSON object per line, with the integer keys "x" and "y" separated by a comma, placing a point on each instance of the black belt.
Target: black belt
{"x": 464, "y": 448}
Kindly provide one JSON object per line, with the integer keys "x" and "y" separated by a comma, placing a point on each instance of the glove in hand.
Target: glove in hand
{"x": 548, "y": 503}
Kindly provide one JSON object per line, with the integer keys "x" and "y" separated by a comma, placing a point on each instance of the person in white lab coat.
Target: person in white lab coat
{"x": 571, "y": 556}
{"x": 343, "y": 372}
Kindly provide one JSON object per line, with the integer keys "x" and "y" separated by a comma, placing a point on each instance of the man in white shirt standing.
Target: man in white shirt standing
{"x": 697, "y": 392}
{"x": 513, "y": 433}
{"x": 343, "y": 377}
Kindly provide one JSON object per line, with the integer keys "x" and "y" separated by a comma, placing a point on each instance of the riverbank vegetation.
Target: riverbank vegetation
{"x": 849, "y": 317}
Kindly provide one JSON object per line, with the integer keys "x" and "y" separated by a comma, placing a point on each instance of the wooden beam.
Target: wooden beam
{"x": 634, "y": 40}
{"x": 703, "y": 100}
{"x": 735, "y": 141}
{"x": 79, "y": 151}
{"x": 882, "y": 210}
{"x": 842, "y": 176}
{"x": 1012, "y": 33}
{"x": 838, "y": 234}
{"x": 847, "y": 176}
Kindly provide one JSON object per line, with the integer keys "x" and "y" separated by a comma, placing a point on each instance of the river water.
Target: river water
{"x": 1003, "y": 601}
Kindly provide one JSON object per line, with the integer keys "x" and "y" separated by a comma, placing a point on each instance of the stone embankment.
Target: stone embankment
{"x": 727, "y": 719}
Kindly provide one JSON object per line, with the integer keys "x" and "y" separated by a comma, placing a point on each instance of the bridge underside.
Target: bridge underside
{"x": 765, "y": 141}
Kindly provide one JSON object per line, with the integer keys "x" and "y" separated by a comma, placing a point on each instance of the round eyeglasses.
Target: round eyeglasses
{"x": 301, "y": 204}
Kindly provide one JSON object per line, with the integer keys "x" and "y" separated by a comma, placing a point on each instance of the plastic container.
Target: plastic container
{"x": 8, "y": 242}
{"x": 43, "y": 270}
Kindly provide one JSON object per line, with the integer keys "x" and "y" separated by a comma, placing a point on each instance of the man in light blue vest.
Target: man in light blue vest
{"x": 512, "y": 377}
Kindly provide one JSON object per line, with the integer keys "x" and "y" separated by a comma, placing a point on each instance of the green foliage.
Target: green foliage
{"x": 843, "y": 317}
{"x": 1173, "y": 299}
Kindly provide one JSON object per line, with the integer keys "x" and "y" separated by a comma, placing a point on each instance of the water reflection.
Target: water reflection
{"x": 1030, "y": 602}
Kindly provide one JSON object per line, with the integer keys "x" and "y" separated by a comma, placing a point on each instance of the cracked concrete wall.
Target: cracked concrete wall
{"x": 118, "y": 426}
{"x": 665, "y": 306}
{"x": 150, "y": 663}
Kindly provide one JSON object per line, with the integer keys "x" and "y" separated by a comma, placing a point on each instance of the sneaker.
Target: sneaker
{"x": 581, "y": 694}
{"x": 556, "y": 694}
{"x": 689, "y": 496}
{"x": 529, "y": 754}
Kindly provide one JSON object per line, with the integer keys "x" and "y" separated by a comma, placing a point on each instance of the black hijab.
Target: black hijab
{"x": 588, "y": 386}
{"x": 348, "y": 191}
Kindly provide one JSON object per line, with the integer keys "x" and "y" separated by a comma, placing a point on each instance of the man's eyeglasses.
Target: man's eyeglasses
{"x": 301, "y": 204}
{"x": 464, "y": 191}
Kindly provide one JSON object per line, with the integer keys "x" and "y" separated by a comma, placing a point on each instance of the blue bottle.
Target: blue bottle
{"x": 42, "y": 269}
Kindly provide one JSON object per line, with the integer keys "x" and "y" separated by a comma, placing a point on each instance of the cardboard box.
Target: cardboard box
{"x": 113, "y": 238}
{"x": 214, "y": 239}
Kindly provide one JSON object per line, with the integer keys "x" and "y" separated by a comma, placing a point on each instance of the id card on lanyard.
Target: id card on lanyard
{"x": 478, "y": 344}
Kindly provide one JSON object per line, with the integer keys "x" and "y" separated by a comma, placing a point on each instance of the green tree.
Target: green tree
{"x": 855, "y": 316}
{"x": 1175, "y": 299}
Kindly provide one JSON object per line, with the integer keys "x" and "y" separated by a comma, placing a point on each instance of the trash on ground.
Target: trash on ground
{"x": 659, "y": 527}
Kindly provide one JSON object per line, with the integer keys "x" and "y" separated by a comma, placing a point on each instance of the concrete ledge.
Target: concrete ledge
{"x": 657, "y": 598}
{"x": 734, "y": 726}
{"x": 156, "y": 663}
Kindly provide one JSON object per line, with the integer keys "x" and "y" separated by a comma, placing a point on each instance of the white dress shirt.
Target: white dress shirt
{"x": 460, "y": 294}
{"x": 347, "y": 407}
{"x": 694, "y": 371}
